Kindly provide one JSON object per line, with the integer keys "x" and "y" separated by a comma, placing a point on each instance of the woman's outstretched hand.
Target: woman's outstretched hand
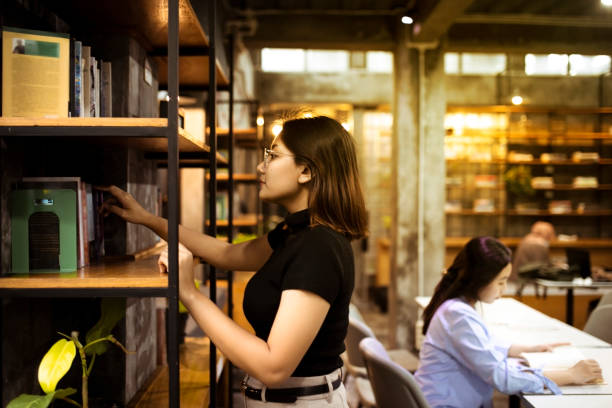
{"x": 185, "y": 261}
{"x": 128, "y": 208}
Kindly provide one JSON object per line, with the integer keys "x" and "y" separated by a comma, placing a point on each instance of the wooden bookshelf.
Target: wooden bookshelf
{"x": 458, "y": 242}
{"x": 148, "y": 21}
{"x": 562, "y": 110}
{"x": 240, "y": 177}
{"x": 570, "y": 187}
{"x": 546, "y": 213}
{"x": 248, "y": 220}
{"x": 121, "y": 274}
{"x": 147, "y": 134}
{"x": 535, "y": 162}
{"x": 472, "y": 212}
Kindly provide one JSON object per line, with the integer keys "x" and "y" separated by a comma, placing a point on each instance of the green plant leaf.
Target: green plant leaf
{"x": 55, "y": 364}
{"x": 112, "y": 310}
{"x": 39, "y": 401}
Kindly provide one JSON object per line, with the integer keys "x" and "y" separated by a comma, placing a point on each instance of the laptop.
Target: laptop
{"x": 579, "y": 261}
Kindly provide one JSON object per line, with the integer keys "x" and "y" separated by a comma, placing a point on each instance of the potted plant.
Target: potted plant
{"x": 518, "y": 183}
{"x": 58, "y": 360}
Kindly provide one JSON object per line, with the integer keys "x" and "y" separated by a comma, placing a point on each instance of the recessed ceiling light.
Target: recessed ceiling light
{"x": 517, "y": 100}
{"x": 409, "y": 20}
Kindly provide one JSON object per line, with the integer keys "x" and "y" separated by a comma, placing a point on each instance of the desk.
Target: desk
{"x": 512, "y": 320}
{"x": 569, "y": 286}
{"x": 568, "y": 401}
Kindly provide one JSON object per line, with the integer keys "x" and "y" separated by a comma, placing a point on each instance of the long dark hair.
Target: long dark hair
{"x": 328, "y": 150}
{"x": 474, "y": 267}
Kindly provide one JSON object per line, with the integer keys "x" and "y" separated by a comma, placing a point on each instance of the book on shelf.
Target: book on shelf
{"x": 560, "y": 206}
{"x": 90, "y": 222}
{"x": 542, "y": 182}
{"x": 453, "y": 206}
{"x": 579, "y": 156}
{"x": 585, "y": 182}
{"x": 484, "y": 205}
{"x": 35, "y": 73}
{"x": 76, "y": 96}
{"x": 486, "y": 180}
{"x": 518, "y": 157}
{"x": 86, "y": 81}
{"x": 106, "y": 90}
{"x": 551, "y": 157}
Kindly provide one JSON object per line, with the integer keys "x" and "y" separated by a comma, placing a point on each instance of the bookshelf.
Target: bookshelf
{"x": 487, "y": 146}
{"x": 155, "y": 25}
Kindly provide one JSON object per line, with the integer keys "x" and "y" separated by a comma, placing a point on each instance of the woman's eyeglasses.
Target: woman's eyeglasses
{"x": 270, "y": 155}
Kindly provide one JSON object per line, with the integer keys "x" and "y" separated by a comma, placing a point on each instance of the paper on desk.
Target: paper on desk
{"x": 559, "y": 358}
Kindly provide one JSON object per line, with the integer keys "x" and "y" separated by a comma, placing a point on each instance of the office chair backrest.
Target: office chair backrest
{"x": 606, "y": 299}
{"x": 393, "y": 386}
{"x": 354, "y": 312}
{"x": 598, "y": 324}
{"x": 357, "y": 331}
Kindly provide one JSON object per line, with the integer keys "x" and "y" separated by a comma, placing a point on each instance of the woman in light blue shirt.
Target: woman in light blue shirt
{"x": 461, "y": 361}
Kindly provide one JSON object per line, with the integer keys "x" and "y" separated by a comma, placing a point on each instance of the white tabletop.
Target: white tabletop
{"x": 569, "y": 401}
{"x": 604, "y": 358}
{"x": 512, "y": 320}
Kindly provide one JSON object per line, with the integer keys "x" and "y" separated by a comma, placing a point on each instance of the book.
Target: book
{"x": 76, "y": 100}
{"x": 86, "y": 81}
{"x": 560, "y": 358}
{"x": 73, "y": 183}
{"x": 35, "y": 73}
{"x": 106, "y": 90}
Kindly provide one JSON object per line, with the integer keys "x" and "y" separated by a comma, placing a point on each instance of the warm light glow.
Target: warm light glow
{"x": 346, "y": 126}
{"x": 308, "y": 115}
{"x": 517, "y": 100}
{"x": 276, "y": 129}
{"x": 407, "y": 20}
{"x": 606, "y": 2}
{"x": 260, "y": 121}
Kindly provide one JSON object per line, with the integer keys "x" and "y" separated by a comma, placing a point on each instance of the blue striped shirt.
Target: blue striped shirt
{"x": 461, "y": 361}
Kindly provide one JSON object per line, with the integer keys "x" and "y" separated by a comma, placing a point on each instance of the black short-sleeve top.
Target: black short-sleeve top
{"x": 316, "y": 259}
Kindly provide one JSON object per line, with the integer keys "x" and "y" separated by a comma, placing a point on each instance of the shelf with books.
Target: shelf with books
{"x": 599, "y": 243}
{"x": 245, "y": 220}
{"x": 152, "y": 27}
{"x": 551, "y": 162}
{"x": 474, "y": 212}
{"x": 238, "y": 177}
{"x": 141, "y": 277}
{"x": 547, "y": 213}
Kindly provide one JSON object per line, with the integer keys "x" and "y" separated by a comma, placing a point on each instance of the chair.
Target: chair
{"x": 606, "y": 299}
{"x": 598, "y": 324}
{"x": 393, "y": 385}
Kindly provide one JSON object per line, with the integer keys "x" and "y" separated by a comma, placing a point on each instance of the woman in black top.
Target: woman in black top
{"x": 298, "y": 301}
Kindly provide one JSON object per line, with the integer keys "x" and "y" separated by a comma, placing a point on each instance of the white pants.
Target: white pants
{"x": 334, "y": 399}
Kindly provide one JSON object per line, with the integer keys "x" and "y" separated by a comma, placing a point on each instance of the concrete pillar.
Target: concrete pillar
{"x": 361, "y": 280}
{"x": 408, "y": 133}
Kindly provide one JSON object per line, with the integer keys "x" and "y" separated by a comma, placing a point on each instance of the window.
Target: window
{"x": 482, "y": 64}
{"x": 327, "y": 61}
{"x": 589, "y": 65}
{"x": 551, "y": 64}
{"x": 282, "y": 60}
{"x": 451, "y": 63}
{"x": 470, "y": 63}
{"x": 379, "y": 61}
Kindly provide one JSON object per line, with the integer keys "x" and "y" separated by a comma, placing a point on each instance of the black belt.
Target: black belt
{"x": 288, "y": 395}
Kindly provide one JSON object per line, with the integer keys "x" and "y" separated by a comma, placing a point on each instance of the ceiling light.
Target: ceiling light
{"x": 276, "y": 129}
{"x": 409, "y": 20}
{"x": 517, "y": 100}
{"x": 260, "y": 121}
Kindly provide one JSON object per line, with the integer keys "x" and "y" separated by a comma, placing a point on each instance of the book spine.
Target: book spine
{"x": 76, "y": 96}
{"x": 86, "y": 81}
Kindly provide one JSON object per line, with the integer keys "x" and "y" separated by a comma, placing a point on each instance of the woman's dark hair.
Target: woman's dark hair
{"x": 474, "y": 267}
{"x": 328, "y": 150}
